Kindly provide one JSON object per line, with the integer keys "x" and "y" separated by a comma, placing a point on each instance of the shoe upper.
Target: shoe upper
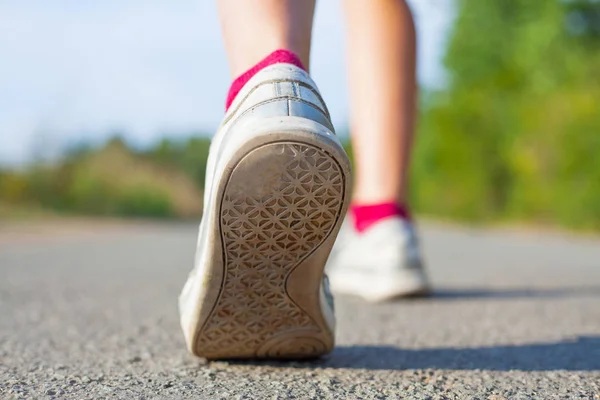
{"x": 390, "y": 244}
{"x": 278, "y": 90}
{"x": 282, "y": 85}
{"x": 381, "y": 263}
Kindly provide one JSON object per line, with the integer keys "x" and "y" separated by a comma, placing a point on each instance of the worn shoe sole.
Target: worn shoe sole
{"x": 278, "y": 210}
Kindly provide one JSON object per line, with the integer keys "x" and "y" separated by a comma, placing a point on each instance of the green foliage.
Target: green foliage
{"x": 13, "y": 187}
{"x": 516, "y": 132}
{"x": 114, "y": 180}
{"x": 189, "y": 156}
{"x": 143, "y": 200}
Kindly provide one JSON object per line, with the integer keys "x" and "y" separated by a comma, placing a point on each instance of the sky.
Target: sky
{"x": 80, "y": 70}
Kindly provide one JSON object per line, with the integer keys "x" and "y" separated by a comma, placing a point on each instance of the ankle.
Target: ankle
{"x": 276, "y": 57}
{"x": 366, "y": 215}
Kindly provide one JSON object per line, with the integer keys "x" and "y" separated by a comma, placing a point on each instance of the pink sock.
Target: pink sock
{"x": 367, "y": 215}
{"x": 276, "y": 57}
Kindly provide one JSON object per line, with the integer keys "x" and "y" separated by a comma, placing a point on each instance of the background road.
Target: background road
{"x": 89, "y": 311}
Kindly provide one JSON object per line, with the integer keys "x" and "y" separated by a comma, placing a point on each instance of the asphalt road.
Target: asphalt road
{"x": 89, "y": 311}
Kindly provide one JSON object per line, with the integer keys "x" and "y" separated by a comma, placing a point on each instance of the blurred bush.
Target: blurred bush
{"x": 516, "y": 132}
{"x": 115, "y": 180}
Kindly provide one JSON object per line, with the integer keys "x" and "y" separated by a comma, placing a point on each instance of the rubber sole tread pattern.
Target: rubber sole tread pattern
{"x": 264, "y": 239}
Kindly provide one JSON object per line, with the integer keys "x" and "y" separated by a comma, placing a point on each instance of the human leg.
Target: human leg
{"x": 254, "y": 29}
{"x": 377, "y": 256}
{"x": 381, "y": 61}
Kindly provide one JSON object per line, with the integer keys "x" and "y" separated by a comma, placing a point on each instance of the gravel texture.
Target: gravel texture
{"x": 88, "y": 311}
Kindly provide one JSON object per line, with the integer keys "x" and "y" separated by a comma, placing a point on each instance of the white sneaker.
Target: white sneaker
{"x": 277, "y": 187}
{"x": 382, "y": 263}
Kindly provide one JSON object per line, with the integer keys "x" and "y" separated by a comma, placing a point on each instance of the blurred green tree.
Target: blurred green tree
{"x": 516, "y": 131}
{"x": 188, "y": 156}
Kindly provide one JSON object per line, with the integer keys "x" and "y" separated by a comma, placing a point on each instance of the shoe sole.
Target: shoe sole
{"x": 279, "y": 211}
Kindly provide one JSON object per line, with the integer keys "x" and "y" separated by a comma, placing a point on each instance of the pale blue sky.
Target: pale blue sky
{"x": 77, "y": 69}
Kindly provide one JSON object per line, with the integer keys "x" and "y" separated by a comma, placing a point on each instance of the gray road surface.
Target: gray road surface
{"x": 89, "y": 311}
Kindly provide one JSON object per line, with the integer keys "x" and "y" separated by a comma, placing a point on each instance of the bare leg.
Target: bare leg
{"x": 382, "y": 54}
{"x": 384, "y": 261}
{"x": 254, "y": 29}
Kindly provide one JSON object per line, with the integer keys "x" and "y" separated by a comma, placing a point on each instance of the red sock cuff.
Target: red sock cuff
{"x": 276, "y": 57}
{"x": 367, "y": 215}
